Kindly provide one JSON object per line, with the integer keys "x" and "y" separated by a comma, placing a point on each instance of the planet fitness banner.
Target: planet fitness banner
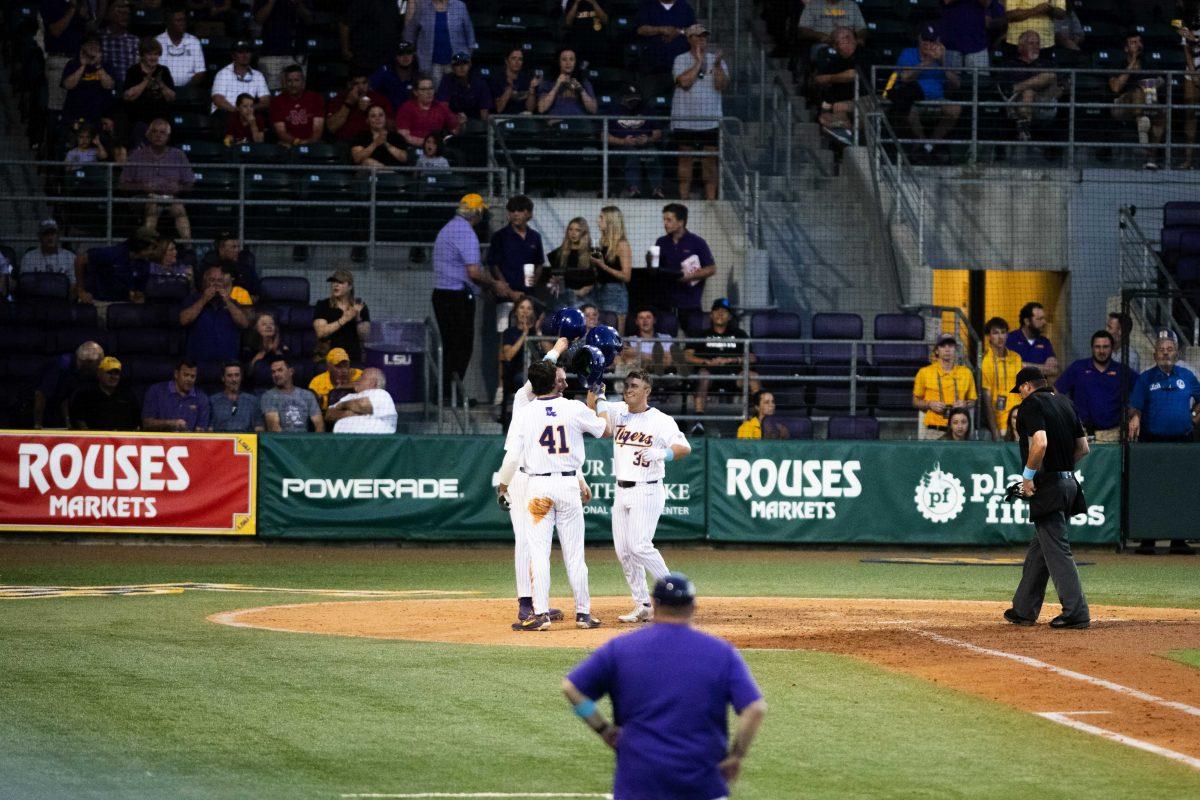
{"x": 127, "y": 483}
{"x": 881, "y": 492}
{"x": 431, "y": 488}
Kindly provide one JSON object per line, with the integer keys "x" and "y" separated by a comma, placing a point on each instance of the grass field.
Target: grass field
{"x": 142, "y": 697}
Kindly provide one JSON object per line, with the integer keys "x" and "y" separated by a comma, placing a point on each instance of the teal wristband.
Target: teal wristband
{"x": 1029, "y": 473}
{"x": 585, "y": 709}
{"x": 669, "y": 455}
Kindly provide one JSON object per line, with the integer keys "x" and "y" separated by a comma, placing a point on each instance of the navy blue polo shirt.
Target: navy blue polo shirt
{"x": 470, "y": 99}
{"x": 671, "y": 256}
{"x": 113, "y": 272}
{"x": 213, "y": 336}
{"x": 1096, "y": 393}
{"x": 510, "y": 252}
{"x": 396, "y": 89}
{"x": 1035, "y": 352}
{"x": 1165, "y": 400}
{"x": 163, "y": 401}
{"x": 658, "y": 56}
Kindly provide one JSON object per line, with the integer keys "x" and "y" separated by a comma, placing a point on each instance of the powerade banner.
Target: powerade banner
{"x": 127, "y": 483}
{"x": 432, "y": 488}
{"x": 885, "y": 492}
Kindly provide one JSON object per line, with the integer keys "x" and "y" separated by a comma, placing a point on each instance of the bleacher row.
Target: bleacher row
{"x": 1180, "y": 247}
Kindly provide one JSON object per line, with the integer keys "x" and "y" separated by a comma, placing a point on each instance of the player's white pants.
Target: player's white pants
{"x": 635, "y": 513}
{"x": 565, "y": 513}
{"x": 520, "y": 521}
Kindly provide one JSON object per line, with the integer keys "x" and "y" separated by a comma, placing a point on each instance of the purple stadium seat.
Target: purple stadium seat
{"x": 797, "y": 427}
{"x": 147, "y": 369}
{"x": 694, "y": 321}
{"x": 143, "y": 341}
{"x": 1181, "y": 214}
{"x": 166, "y": 290}
{"x": 778, "y": 358}
{"x": 853, "y": 428}
{"x": 295, "y": 318}
{"x": 836, "y": 326}
{"x": 66, "y": 340}
{"x": 24, "y": 339}
{"x": 43, "y": 284}
{"x": 287, "y": 290}
{"x": 899, "y": 360}
{"x": 122, "y": 316}
{"x": 894, "y": 399}
{"x": 301, "y": 343}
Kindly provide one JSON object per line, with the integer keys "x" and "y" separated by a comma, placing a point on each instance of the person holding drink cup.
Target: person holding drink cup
{"x": 515, "y": 260}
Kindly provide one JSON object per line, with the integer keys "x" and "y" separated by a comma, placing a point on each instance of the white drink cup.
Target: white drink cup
{"x": 529, "y": 269}
{"x": 654, "y": 251}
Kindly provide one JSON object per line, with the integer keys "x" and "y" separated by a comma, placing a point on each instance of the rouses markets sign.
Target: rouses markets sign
{"x": 911, "y": 492}
{"x": 132, "y": 483}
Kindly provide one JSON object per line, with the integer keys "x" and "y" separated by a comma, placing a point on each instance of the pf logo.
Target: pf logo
{"x": 939, "y": 496}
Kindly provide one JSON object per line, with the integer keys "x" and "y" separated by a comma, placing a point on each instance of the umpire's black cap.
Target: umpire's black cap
{"x": 675, "y": 589}
{"x": 1026, "y": 375}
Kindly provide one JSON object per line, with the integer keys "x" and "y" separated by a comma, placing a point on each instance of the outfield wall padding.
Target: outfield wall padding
{"x": 1163, "y": 479}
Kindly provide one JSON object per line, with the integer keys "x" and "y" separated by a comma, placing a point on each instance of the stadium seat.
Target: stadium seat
{"x": 166, "y": 290}
{"x": 259, "y": 153}
{"x": 836, "y": 326}
{"x": 132, "y": 316}
{"x": 778, "y": 358}
{"x": 334, "y": 219}
{"x": 281, "y": 290}
{"x": 796, "y": 427}
{"x": 39, "y": 285}
{"x": 694, "y": 321}
{"x": 295, "y": 318}
{"x": 203, "y": 151}
{"x": 149, "y": 368}
{"x": 145, "y": 341}
{"x": 26, "y": 340}
{"x": 852, "y": 428}
{"x": 65, "y": 340}
{"x": 187, "y": 126}
{"x": 271, "y": 214}
{"x": 899, "y": 359}
{"x": 320, "y": 153}
{"x": 1104, "y": 35}
{"x": 65, "y": 314}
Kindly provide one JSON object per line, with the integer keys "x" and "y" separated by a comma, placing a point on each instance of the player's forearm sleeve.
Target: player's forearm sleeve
{"x": 509, "y": 467}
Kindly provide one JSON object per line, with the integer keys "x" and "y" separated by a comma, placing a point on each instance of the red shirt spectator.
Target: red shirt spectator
{"x": 246, "y": 126}
{"x": 298, "y": 116}
{"x": 423, "y": 115}
{"x": 346, "y": 116}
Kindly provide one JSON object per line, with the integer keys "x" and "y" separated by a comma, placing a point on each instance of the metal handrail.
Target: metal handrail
{"x": 1141, "y": 267}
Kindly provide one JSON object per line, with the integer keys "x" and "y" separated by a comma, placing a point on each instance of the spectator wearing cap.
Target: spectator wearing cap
{"x": 997, "y": 371}
{"x": 64, "y": 26}
{"x": 396, "y": 79}
{"x": 176, "y": 405}
{"x": 424, "y": 114}
{"x": 660, "y": 27}
{"x": 837, "y": 79}
{"x": 1165, "y": 407}
{"x": 297, "y": 115}
{"x": 238, "y": 77}
{"x": 49, "y": 255}
{"x": 512, "y": 87}
{"x": 570, "y": 94}
{"x": 1038, "y": 16}
{"x": 923, "y": 77}
{"x": 105, "y": 405}
{"x": 1099, "y": 387}
{"x": 1030, "y": 342}
{"x": 700, "y": 77}
{"x": 941, "y": 387}
{"x": 440, "y": 29}
{"x": 87, "y": 82}
{"x": 336, "y": 381}
{"x": 62, "y": 377}
{"x": 466, "y": 93}
{"x": 457, "y": 270}
{"x": 369, "y": 30}
{"x": 821, "y": 18}
{"x": 232, "y": 410}
{"x": 966, "y": 27}
{"x": 346, "y": 116}
{"x": 161, "y": 172}
{"x": 719, "y": 354}
{"x": 685, "y": 262}
{"x": 342, "y": 320}
{"x": 628, "y": 129}
{"x": 280, "y": 22}
{"x": 182, "y": 53}
{"x": 227, "y": 249}
{"x": 105, "y": 275}
{"x": 214, "y": 318}
{"x": 119, "y": 46}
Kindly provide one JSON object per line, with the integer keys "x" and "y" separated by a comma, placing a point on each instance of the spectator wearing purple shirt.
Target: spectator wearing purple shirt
{"x": 685, "y": 262}
{"x": 965, "y": 26}
{"x": 64, "y": 23}
{"x": 175, "y": 405}
{"x": 214, "y": 320}
{"x": 106, "y": 275}
{"x": 660, "y": 27}
{"x": 671, "y": 687}
{"x": 570, "y": 95}
{"x": 162, "y": 172}
{"x": 1030, "y": 343}
{"x": 467, "y": 94}
{"x": 457, "y": 267}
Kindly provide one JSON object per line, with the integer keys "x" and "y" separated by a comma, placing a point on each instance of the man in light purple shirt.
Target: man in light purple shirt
{"x": 175, "y": 405}
{"x": 670, "y": 687}
{"x": 457, "y": 267}
{"x": 161, "y": 172}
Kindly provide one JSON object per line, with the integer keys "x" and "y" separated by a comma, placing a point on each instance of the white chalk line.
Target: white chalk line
{"x": 520, "y": 795}
{"x": 1067, "y": 718}
{"x": 1028, "y": 661}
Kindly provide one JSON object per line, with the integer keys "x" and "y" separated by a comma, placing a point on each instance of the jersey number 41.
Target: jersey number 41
{"x": 546, "y": 440}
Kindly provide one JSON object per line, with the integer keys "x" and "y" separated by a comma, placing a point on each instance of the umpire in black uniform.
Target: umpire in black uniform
{"x": 1052, "y": 441}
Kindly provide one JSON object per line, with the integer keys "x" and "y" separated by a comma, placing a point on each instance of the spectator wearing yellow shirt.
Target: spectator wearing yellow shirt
{"x": 941, "y": 386}
{"x": 1038, "y": 16}
{"x": 757, "y": 427}
{"x": 335, "y": 382}
{"x": 996, "y": 373}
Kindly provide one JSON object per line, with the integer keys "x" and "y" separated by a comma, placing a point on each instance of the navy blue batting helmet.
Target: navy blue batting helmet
{"x": 571, "y": 324}
{"x": 674, "y": 589}
{"x": 606, "y": 340}
{"x": 589, "y": 364}
{"x": 549, "y": 326}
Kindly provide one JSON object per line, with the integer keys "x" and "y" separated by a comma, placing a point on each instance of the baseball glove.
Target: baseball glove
{"x": 539, "y": 507}
{"x": 503, "y": 502}
{"x": 1014, "y": 493}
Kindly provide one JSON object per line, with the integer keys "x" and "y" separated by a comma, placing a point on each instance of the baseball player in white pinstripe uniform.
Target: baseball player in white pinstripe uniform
{"x": 516, "y": 501}
{"x": 643, "y": 439}
{"x": 545, "y": 441}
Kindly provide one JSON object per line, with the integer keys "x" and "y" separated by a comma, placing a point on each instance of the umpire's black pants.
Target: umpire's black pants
{"x": 455, "y": 313}
{"x": 1049, "y": 555}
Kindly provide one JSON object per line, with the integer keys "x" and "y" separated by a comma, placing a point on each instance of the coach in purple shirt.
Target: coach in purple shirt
{"x": 1030, "y": 343}
{"x": 677, "y": 290}
{"x": 670, "y": 687}
{"x": 175, "y": 405}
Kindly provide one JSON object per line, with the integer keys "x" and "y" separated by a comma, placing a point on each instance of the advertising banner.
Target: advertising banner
{"x": 128, "y": 483}
{"x": 890, "y": 492}
{"x": 431, "y": 488}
